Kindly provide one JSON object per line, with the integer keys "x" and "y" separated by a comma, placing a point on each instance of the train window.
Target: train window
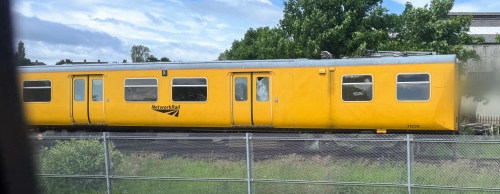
{"x": 262, "y": 88}
{"x": 413, "y": 87}
{"x": 241, "y": 89}
{"x": 79, "y": 90}
{"x": 189, "y": 89}
{"x": 357, "y": 88}
{"x": 141, "y": 90}
{"x": 37, "y": 91}
{"x": 97, "y": 90}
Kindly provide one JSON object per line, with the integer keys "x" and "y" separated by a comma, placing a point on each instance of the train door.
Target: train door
{"x": 251, "y": 99}
{"x": 87, "y": 99}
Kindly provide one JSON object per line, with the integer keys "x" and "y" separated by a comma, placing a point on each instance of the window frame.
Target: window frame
{"x": 157, "y": 88}
{"x": 420, "y": 82}
{"x": 172, "y": 88}
{"x": 38, "y": 87}
{"x": 342, "y": 88}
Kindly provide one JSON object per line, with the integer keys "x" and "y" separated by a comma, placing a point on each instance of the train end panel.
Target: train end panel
{"x": 406, "y": 98}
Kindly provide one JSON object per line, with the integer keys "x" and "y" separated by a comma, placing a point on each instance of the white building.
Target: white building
{"x": 485, "y": 73}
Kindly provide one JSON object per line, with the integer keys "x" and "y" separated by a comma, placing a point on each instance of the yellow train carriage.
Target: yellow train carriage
{"x": 386, "y": 94}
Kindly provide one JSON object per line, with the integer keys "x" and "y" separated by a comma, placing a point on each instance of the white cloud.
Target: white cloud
{"x": 170, "y": 28}
{"x": 415, "y": 3}
{"x": 465, "y": 7}
{"x": 51, "y": 53}
{"x": 264, "y": 1}
{"x": 477, "y": 6}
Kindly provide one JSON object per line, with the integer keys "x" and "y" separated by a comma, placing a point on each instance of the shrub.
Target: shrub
{"x": 76, "y": 157}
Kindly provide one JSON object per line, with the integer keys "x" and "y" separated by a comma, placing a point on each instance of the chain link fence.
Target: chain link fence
{"x": 266, "y": 163}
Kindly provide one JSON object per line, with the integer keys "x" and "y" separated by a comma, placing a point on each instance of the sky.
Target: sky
{"x": 182, "y": 30}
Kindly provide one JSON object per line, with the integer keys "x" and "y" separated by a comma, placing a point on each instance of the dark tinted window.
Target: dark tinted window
{"x": 189, "y": 89}
{"x": 413, "y": 87}
{"x": 44, "y": 83}
{"x": 189, "y": 81}
{"x": 140, "y": 82}
{"x": 357, "y": 79}
{"x": 141, "y": 90}
{"x": 241, "y": 89}
{"x": 37, "y": 91}
{"x": 141, "y": 94}
{"x": 357, "y": 88}
{"x": 413, "y": 92}
{"x": 413, "y": 77}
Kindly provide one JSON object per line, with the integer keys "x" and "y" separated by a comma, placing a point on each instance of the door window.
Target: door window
{"x": 79, "y": 90}
{"x": 97, "y": 90}
{"x": 262, "y": 89}
{"x": 241, "y": 90}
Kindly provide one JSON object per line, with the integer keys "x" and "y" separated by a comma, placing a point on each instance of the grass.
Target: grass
{"x": 462, "y": 173}
{"x": 472, "y": 166}
{"x": 461, "y": 150}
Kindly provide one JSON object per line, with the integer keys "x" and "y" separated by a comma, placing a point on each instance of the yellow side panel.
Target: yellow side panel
{"x": 215, "y": 112}
{"x": 55, "y": 112}
{"x": 385, "y": 112}
{"x": 303, "y": 98}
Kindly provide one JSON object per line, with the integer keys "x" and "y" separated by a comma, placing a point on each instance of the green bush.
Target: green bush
{"x": 76, "y": 157}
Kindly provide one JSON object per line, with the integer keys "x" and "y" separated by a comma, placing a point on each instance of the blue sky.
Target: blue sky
{"x": 185, "y": 30}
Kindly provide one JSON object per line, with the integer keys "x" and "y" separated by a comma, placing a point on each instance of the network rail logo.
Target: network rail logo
{"x": 170, "y": 109}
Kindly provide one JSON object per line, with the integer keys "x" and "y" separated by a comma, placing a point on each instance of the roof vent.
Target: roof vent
{"x": 326, "y": 55}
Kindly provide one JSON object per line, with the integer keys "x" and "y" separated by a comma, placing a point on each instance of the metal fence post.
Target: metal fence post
{"x": 106, "y": 161}
{"x": 249, "y": 167}
{"x": 408, "y": 160}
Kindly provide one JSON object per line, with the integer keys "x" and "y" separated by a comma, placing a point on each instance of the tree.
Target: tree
{"x": 223, "y": 56}
{"x": 261, "y": 43}
{"x": 430, "y": 29}
{"x": 76, "y": 157}
{"x": 124, "y": 61}
{"x": 152, "y": 58}
{"x": 20, "y": 55}
{"x": 62, "y": 61}
{"x": 139, "y": 53}
{"x": 165, "y": 59}
{"x": 314, "y": 26}
{"x": 498, "y": 38}
{"x": 344, "y": 28}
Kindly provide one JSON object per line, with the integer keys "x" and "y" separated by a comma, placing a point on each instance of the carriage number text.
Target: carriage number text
{"x": 413, "y": 126}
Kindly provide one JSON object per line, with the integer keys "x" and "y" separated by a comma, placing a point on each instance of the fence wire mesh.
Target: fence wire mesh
{"x": 266, "y": 163}
{"x": 461, "y": 162}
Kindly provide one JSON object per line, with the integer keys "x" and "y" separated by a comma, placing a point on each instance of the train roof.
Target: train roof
{"x": 244, "y": 64}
